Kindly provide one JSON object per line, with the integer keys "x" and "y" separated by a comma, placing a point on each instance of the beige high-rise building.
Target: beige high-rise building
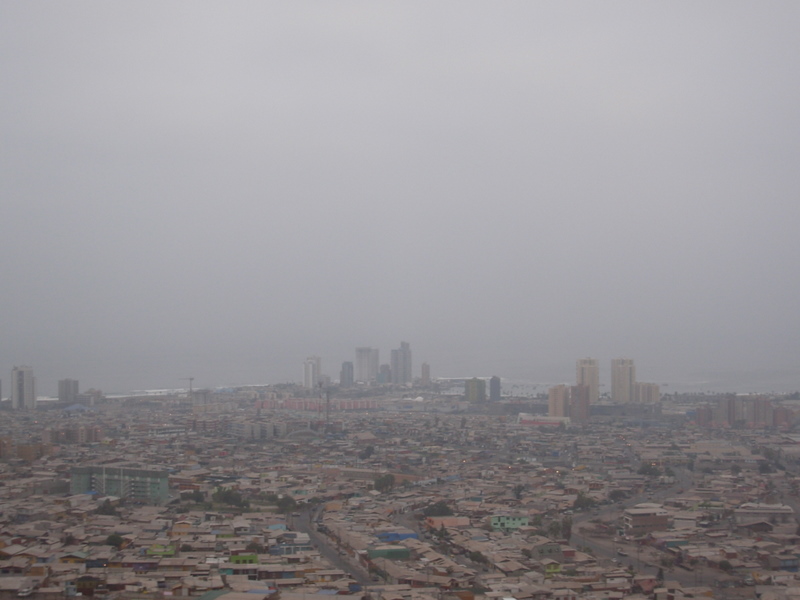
{"x": 587, "y": 372}
{"x": 579, "y": 404}
{"x": 646, "y": 393}
{"x": 558, "y": 401}
{"x": 569, "y": 401}
{"x": 623, "y": 377}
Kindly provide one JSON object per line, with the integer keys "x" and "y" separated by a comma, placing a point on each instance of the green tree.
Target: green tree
{"x": 115, "y": 540}
{"x": 616, "y": 495}
{"x": 286, "y": 504}
{"x": 517, "y": 490}
{"x": 441, "y": 533}
{"x": 477, "y": 557}
{"x": 438, "y": 509}
{"x": 384, "y": 483}
{"x": 725, "y": 565}
{"x": 566, "y": 528}
{"x": 554, "y": 529}
{"x": 366, "y": 452}
{"x": 230, "y": 497}
{"x": 649, "y": 470}
{"x": 583, "y": 501}
{"x": 194, "y": 496}
{"x": 106, "y": 508}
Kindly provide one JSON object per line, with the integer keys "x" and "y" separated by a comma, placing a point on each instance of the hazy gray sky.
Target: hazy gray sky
{"x": 222, "y": 189}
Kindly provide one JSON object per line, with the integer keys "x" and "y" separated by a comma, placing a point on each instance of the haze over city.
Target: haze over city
{"x": 222, "y": 190}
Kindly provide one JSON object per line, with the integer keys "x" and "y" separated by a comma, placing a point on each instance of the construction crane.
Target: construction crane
{"x": 190, "y": 380}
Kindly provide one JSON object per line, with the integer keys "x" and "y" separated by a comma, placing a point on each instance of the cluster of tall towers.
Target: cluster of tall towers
{"x": 23, "y": 389}
{"x": 624, "y": 387}
{"x": 575, "y": 401}
{"x": 366, "y": 368}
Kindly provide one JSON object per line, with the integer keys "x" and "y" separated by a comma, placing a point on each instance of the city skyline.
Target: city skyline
{"x": 543, "y": 377}
{"x": 221, "y": 191}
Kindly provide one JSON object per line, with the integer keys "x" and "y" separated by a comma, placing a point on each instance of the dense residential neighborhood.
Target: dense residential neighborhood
{"x": 245, "y": 492}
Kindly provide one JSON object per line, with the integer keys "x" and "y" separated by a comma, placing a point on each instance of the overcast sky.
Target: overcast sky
{"x": 219, "y": 190}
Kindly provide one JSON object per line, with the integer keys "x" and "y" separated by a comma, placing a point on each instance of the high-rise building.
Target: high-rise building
{"x": 587, "y": 373}
{"x": 425, "y": 378}
{"x": 367, "y": 365}
{"x": 68, "y": 391}
{"x": 569, "y": 401}
{"x": 558, "y": 401}
{"x": 579, "y": 401}
{"x": 646, "y": 393}
{"x": 312, "y": 371}
{"x": 346, "y": 378}
{"x": 401, "y": 364}
{"x": 623, "y": 376}
{"x": 475, "y": 390}
{"x": 494, "y": 389}
{"x": 23, "y": 388}
{"x": 384, "y": 374}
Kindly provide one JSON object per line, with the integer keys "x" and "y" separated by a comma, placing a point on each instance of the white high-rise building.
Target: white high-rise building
{"x": 23, "y": 388}
{"x": 312, "y": 371}
{"x": 588, "y": 374}
{"x": 623, "y": 378}
{"x": 367, "y": 365}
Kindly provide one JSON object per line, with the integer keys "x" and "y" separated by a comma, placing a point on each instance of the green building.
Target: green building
{"x": 475, "y": 390}
{"x": 390, "y": 552}
{"x": 139, "y": 485}
{"x": 508, "y": 522}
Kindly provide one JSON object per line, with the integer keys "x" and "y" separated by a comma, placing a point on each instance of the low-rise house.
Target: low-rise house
{"x": 754, "y": 512}
{"x": 643, "y": 519}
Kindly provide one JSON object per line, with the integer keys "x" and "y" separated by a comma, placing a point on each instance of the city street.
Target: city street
{"x": 305, "y": 523}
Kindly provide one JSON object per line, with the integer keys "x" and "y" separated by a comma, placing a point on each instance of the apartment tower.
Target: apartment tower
{"x": 587, "y": 372}
{"x": 401, "y": 364}
{"x": 23, "y": 388}
{"x": 558, "y": 401}
{"x": 425, "y": 374}
{"x": 623, "y": 378}
{"x": 346, "y": 377}
{"x": 68, "y": 391}
{"x": 494, "y": 389}
{"x": 367, "y": 365}
{"x": 312, "y": 371}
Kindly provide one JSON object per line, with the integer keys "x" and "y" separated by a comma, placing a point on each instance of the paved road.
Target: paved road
{"x": 304, "y": 523}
